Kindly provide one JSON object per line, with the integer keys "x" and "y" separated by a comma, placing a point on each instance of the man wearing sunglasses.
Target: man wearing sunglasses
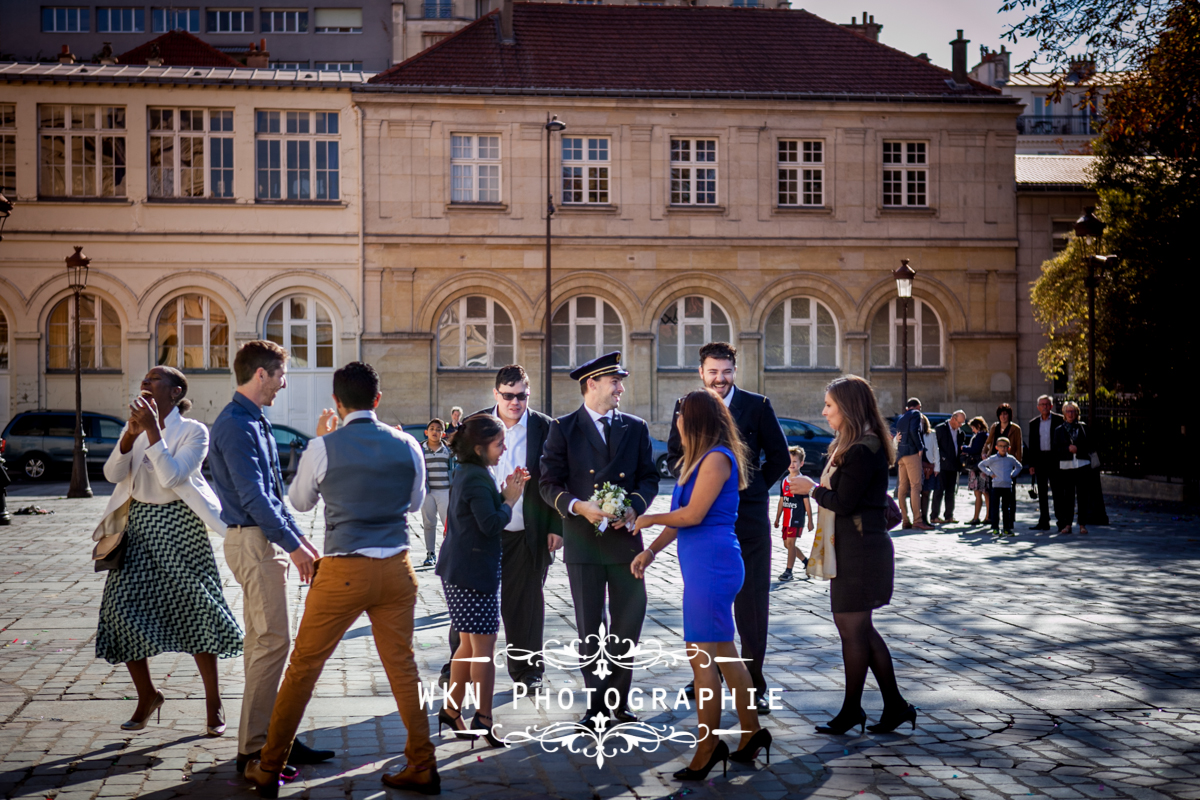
{"x": 533, "y": 533}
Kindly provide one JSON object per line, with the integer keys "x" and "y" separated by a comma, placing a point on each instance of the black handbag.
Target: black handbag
{"x": 114, "y": 558}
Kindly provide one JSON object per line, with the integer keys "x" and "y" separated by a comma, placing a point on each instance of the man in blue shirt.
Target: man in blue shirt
{"x": 910, "y": 443}
{"x": 262, "y": 538}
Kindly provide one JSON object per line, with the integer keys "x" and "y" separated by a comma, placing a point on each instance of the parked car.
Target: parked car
{"x": 813, "y": 438}
{"x": 935, "y": 419}
{"x": 660, "y": 458}
{"x": 287, "y": 438}
{"x": 38, "y": 444}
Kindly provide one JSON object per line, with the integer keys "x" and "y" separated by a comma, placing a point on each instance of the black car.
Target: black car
{"x": 936, "y": 418}
{"x": 291, "y": 443}
{"x": 38, "y": 444}
{"x": 813, "y": 438}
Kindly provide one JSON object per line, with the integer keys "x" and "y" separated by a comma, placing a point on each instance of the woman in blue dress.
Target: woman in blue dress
{"x": 703, "y": 510}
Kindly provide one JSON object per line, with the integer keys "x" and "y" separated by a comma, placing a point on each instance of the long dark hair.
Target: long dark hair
{"x": 860, "y": 417}
{"x": 479, "y": 430}
{"x": 706, "y": 424}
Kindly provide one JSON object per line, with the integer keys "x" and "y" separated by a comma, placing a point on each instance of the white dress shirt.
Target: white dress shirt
{"x": 596, "y": 417}
{"x": 728, "y": 398}
{"x": 303, "y": 493}
{"x": 516, "y": 440}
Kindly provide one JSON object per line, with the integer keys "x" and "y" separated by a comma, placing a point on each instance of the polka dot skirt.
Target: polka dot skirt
{"x": 472, "y": 611}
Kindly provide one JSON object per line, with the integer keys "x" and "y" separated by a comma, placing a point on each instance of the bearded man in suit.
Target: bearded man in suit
{"x": 760, "y": 430}
{"x": 585, "y": 449}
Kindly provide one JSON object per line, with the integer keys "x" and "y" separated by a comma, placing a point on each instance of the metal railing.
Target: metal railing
{"x": 1057, "y": 126}
{"x": 439, "y": 10}
{"x": 1136, "y": 437}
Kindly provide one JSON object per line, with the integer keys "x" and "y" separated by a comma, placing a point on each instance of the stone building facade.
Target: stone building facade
{"x": 768, "y": 210}
{"x": 217, "y": 206}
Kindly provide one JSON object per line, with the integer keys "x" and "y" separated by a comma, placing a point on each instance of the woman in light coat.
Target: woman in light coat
{"x": 165, "y": 597}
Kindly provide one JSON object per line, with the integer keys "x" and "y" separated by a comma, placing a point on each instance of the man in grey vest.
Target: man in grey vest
{"x": 370, "y": 475}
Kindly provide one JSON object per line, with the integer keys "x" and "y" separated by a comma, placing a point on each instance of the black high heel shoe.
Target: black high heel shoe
{"x": 889, "y": 722}
{"x": 444, "y": 718}
{"x": 487, "y": 734}
{"x": 839, "y": 726}
{"x": 721, "y": 753}
{"x": 760, "y": 740}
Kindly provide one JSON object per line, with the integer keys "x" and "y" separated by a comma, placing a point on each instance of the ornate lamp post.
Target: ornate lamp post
{"x": 77, "y": 275}
{"x": 1090, "y": 229}
{"x": 6, "y": 208}
{"x": 553, "y": 125}
{"x": 904, "y": 275}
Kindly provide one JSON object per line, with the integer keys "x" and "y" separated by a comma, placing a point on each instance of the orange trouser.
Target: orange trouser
{"x": 344, "y": 587}
{"x": 908, "y": 469}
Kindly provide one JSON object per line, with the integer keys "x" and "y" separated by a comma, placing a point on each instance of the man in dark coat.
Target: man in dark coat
{"x": 760, "y": 430}
{"x": 950, "y": 442}
{"x": 1039, "y": 456}
{"x": 586, "y": 449}
{"x": 531, "y": 537}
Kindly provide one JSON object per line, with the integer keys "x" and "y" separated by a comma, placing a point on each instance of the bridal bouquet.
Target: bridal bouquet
{"x": 612, "y": 502}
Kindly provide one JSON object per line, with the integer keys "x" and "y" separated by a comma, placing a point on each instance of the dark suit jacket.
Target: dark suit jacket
{"x": 759, "y": 429}
{"x": 540, "y": 519}
{"x": 470, "y": 554}
{"x": 911, "y": 440}
{"x": 576, "y": 462}
{"x": 950, "y": 442}
{"x": 1033, "y": 445}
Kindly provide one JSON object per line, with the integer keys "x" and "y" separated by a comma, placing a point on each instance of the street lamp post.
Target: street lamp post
{"x": 6, "y": 208}
{"x": 904, "y": 275}
{"x": 1090, "y": 229}
{"x": 553, "y": 124}
{"x": 77, "y": 275}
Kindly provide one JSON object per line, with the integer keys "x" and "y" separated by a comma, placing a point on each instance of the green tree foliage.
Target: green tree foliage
{"x": 1147, "y": 173}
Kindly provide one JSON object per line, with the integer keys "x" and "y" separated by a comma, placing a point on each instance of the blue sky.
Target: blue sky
{"x": 927, "y": 26}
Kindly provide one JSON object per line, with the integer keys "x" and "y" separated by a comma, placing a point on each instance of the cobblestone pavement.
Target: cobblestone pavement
{"x": 1044, "y": 666}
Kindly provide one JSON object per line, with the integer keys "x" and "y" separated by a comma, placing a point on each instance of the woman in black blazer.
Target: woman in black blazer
{"x": 469, "y": 565}
{"x": 857, "y": 477}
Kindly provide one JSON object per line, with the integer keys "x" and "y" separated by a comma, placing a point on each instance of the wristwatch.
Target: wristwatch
{"x": 813, "y": 489}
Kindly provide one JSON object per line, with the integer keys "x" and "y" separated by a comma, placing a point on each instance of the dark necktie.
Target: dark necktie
{"x": 607, "y": 422}
{"x": 273, "y": 455}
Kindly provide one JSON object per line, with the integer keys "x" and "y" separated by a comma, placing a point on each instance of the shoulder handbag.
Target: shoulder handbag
{"x": 109, "y": 552}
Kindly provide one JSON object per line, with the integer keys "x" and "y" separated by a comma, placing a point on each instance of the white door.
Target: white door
{"x": 303, "y": 326}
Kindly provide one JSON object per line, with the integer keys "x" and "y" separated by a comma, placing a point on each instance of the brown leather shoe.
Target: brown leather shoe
{"x": 921, "y": 526}
{"x": 267, "y": 783}
{"x": 422, "y": 781}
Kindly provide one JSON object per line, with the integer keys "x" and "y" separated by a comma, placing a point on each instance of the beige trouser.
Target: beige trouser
{"x": 909, "y": 470}
{"x": 261, "y": 568}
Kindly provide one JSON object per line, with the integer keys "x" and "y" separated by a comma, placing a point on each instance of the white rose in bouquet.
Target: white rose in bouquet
{"x": 612, "y": 502}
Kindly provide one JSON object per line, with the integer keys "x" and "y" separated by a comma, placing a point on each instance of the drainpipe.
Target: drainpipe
{"x": 360, "y": 115}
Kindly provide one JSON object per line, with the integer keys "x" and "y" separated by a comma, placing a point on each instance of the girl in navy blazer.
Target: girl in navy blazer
{"x": 469, "y": 565}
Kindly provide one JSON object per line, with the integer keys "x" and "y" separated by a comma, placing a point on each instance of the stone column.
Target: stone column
{"x": 749, "y": 370}
{"x": 643, "y": 384}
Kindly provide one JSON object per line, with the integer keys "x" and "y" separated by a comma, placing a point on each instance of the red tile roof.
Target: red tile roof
{"x": 671, "y": 50}
{"x": 180, "y": 49}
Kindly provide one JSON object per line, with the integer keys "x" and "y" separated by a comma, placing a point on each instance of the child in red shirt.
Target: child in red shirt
{"x": 793, "y": 512}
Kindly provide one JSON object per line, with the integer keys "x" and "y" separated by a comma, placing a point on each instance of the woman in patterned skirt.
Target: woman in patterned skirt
{"x": 165, "y": 597}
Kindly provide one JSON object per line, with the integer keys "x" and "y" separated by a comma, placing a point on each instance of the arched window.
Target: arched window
{"x": 303, "y": 326}
{"x": 582, "y": 329}
{"x": 475, "y": 332}
{"x": 193, "y": 333}
{"x": 3, "y": 341}
{"x": 685, "y": 326}
{"x": 800, "y": 332}
{"x": 924, "y": 336}
{"x": 99, "y": 334}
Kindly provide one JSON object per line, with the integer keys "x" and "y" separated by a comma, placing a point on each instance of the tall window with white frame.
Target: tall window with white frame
{"x": 339, "y": 20}
{"x": 69, "y": 19}
{"x": 99, "y": 334}
{"x": 8, "y": 149}
{"x": 685, "y": 326}
{"x": 585, "y": 166}
{"x": 475, "y": 332}
{"x": 234, "y": 20}
{"x": 296, "y": 155}
{"x": 924, "y": 335}
{"x": 583, "y": 328}
{"x": 693, "y": 172}
{"x": 175, "y": 19}
{"x": 193, "y": 334}
{"x": 801, "y": 334}
{"x": 905, "y": 174}
{"x": 474, "y": 168}
{"x": 801, "y": 173}
{"x": 280, "y": 20}
{"x": 191, "y": 152}
{"x": 82, "y": 151}
{"x": 120, "y": 20}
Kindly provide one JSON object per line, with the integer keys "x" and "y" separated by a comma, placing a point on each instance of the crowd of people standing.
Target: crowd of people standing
{"x": 511, "y": 487}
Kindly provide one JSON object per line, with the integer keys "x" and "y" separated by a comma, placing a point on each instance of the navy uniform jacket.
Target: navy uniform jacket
{"x": 759, "y": 429}
{"x": 576, "y": 462}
